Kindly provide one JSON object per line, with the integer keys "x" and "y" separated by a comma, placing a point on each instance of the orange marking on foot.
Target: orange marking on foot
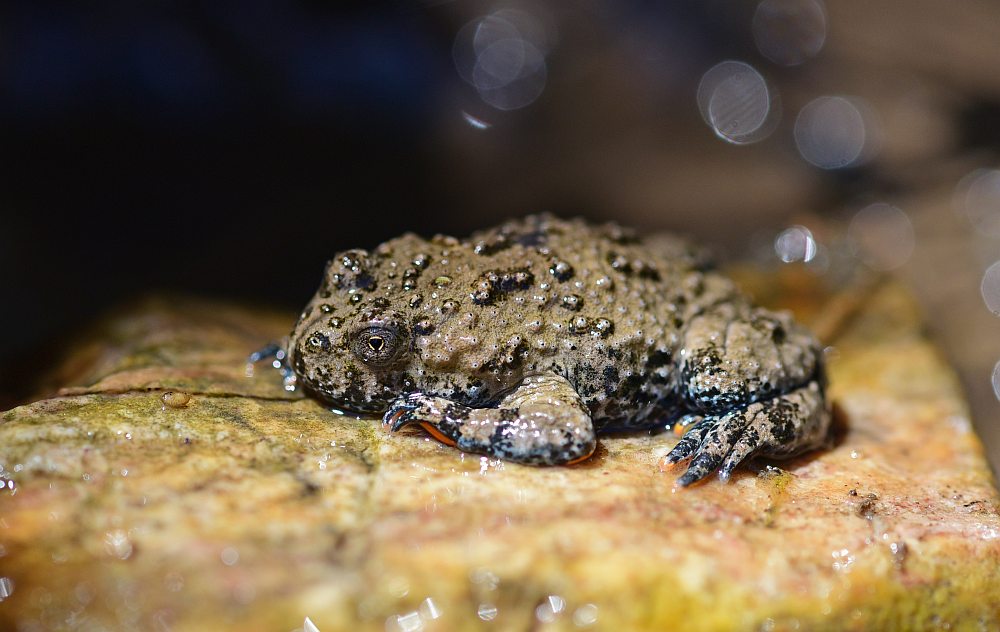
{"x": 679, "y": 430}
{"x": 434, "y": 432}
{"x": 666, "y": 466}
{"x": 582, "y": 458}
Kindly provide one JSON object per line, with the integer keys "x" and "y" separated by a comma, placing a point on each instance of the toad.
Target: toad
{"x": 527, "y": 340}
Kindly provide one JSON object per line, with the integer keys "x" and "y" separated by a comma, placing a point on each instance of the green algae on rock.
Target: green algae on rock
{"x": 251, "y": 508}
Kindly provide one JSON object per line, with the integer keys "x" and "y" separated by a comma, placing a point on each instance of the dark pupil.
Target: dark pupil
{"x": 376, "y": 343}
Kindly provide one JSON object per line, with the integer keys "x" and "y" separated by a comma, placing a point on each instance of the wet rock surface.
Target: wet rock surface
{"x": 163, "y": 488}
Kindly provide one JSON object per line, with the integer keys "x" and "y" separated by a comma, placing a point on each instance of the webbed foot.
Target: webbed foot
{"x": 779, "y": 427}
{"x": 541, "y": 422}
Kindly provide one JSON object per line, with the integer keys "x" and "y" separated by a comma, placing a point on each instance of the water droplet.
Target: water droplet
{"x": 485, "y": 578}
{"x": 229, "y": 556}
{"x": 585, "y": 615}
{"x": 735, "y": 101}
{"x": 990, "y": 288}
{"x": 550, "y": 609}
{"x": 117, "y": 544}
{"x": 6, "y": 587}
{"x": 429, "y": 610}
{"x": 881, "y": 236}
{"x": 84, "y": 593}
{"x": 173, "y": 399}
{"x": 980, "y": 200}
{"x": 398, "y": 586}
{"x": 487, "y": 611}
{"x": 834, "y": 132}
{"x": 788, "y": 32}
{"x": 409, "y": 622}
{"x": 174, "y": 582}
{"x": 795, "y": 244}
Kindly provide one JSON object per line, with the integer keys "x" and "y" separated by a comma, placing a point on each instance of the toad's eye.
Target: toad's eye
{"x": 378, "y": 346}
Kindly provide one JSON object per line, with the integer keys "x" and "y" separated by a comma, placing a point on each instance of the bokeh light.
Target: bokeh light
{"x": 6, "y": 587}
{"x": 996, "y": 380}
{"x": 833, "y": 132}
{"x": 475, "y": 121}
{"x": 990, "y": 288}
{"x": 736, "y": 102}
{"x": 789, "y": 32}
{"x": 881, "y": 236}
{"x": 979, "y": 200}
{"x": 795, "y": 244}
{"x": 502, "y": 55}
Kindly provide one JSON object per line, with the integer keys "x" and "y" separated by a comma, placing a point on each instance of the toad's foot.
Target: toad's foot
{"x": 781, "y": 426}
{"x": 541, "y": 422}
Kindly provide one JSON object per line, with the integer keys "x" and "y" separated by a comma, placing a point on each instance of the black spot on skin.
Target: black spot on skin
{"x": 493, "y": 284}
{"x": 619, "y": 263}
{"x": 510, "y": 358}
{"x": 602, "y": 327}
{"x": 415, "y": 301}
{"x": 532, "y": 239}
{"x": 423, "y": 327}
{"x": 658, "y": 358}
{"x": 481, "y": 297}
{"x": 421, "y": 261}
{"x": 579, "y": 325}
{"x": 572, "y": 302}
{"x": 364, "y": 281}
{"x": 646, "y": 271}
{"x": 630, "y": 388}
{"x": 410, "y": 277}
{"x": 457, "y": 412}
{"x": 318, "y": 342}
{"x": 561, "y": 270}
{"x": 611, "y": 380}
{"x": 513, "y": 280}
{"x": 492, "y": 246}
{"x": 778, "y": 335}
{"x": 335, "y": 322}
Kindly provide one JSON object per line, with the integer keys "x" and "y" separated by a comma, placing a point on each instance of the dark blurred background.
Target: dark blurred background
{"x": 230, "y": 148}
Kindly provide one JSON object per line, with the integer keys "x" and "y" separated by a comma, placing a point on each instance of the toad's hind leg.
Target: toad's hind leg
{"x": 782, "y": 426}
{"x": 541, "y": 422}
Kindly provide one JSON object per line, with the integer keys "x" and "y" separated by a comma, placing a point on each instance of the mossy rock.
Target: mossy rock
{"x": 247, "y": 507}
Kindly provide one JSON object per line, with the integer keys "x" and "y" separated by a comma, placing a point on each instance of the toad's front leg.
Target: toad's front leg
{"x": 541, "y": 422}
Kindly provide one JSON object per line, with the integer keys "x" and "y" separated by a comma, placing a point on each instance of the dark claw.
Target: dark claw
{"x": 703, "y": 465}
{"x": 398, "y": 416}
{"x": 690, "y": 442}
{"x": 401, "y": 412}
